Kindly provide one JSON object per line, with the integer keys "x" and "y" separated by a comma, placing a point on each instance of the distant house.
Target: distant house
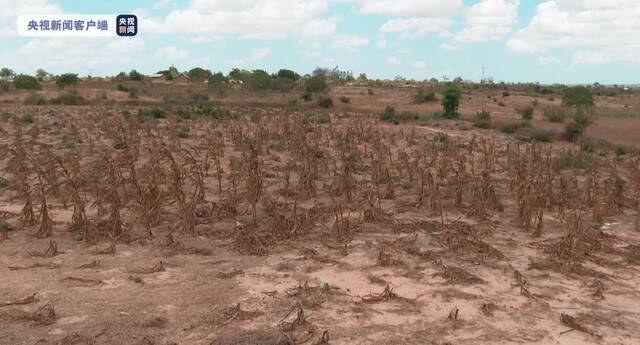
{"x": 157, "y": 77}
{"x": 182, "y": 79}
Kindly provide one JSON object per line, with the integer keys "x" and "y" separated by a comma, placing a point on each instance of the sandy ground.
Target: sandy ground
{"x": 185, "y": 303}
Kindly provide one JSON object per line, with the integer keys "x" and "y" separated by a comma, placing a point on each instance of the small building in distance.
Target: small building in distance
{"x": 158, "y": 77}
{"x": 182, "y": 79}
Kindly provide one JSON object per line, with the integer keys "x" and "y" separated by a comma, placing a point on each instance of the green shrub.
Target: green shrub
{"x": 555, "y": 114}
{"x": 482, "y": 119}
{"x": 324, "y": 118}
{"x": 325, "y": 102}
{"x": 451, "y": 102}
{"x": 154, "y": 112}
{"x": 510, "y": 128}
{"x": 34, "y": 99}
{"x": 315, "y": 84}
{"x": 26, "y": 82}
{"x": 408, "y": 116}
{"x": 424, "y": 96}
{"x": 578, "y": 125}
{"x": 526, "y": 113}
{"x": 3, "y": 182}
{"x": 307, "y": 96}
{"x": 135, "y": 75}
{"x": 389, "y": 114}
{"x": 506, "y": 94}
{"x": 67, "y": 79}
{"x": 27, "y": 118}
{"x": 70, "y": 98}
{"x": 344, "y": 99}
{"x": 122, "y": 88}
{"x": 370, "y": 92}
{"x": 577, "y": 96}
{"x": 621, "y": 150}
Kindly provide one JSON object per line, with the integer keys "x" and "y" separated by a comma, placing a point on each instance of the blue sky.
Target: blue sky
{"x": 564, "y": 41}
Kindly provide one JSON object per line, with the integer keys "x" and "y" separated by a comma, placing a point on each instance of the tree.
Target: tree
{"x": 239, "y": 74}
{"x": 26, "y": 82}
{"x": 317, "y": 83}
{"x": 578, "y": 96}
{"x": 7, "y": 73}
{"x": 288, "y": 74}
{"x": 198, "y": 73}
{"x": 41, "y": 74}
{"x": 451, "y": 96}
{"x": 577, "y": 127}
{"x": 362, "y": 78}
{"x": 135, "y": 75}
{"x": 66, "y": 79}
{"x": 259, "y": 80}
{"x": 217, "y": 79}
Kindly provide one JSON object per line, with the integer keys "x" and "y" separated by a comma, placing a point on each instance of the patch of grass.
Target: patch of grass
{"x": 424, "y": 96}
{"x": 70, "y": 98}
{"x": 155, "y": 112}
{"x": 389, "y": 114}
{"x": 325, "y": 102}
{"x": 526, "y": 112}
{"x": 482, "y": 119}
{"x": 579, "y": 160}
{"x": 3, "y": 182}
{"x": 27, "y": 118}
{"x": 539, "y": 264}
{"x": 407, "y": 186}
{"x": 555, "y": 114}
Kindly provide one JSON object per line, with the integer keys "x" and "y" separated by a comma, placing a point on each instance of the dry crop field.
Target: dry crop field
{"x": 267, "y": 224}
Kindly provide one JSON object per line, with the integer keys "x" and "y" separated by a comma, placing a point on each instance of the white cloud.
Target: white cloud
{"x": 393, "y": 61}
{"x": 259, "y": 54}
{"x": 171, "y": 53}
{"x": 419, "y": 64}
{"x": 410, "y": 8}
{"x": 489, "y": 20}
{"x": 449, "y": 47}
{"x": 75, "y": 54}
{"x": 417, "y": 27}
{"x": 235, "y": 62}
{"x": 350, "y": 41}
{"x": 548, "y": 60}
{"x": 248, "y": 18}
{"x": 206, "y": 38}
{"x": 10, "y": 9}
{"x": 329, "y": 61}
{"x": 604, "y": 31}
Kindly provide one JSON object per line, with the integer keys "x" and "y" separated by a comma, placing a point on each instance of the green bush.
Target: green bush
{"x": 344, "y": 99}
{"x": 259, "y": 80}
{"x": 70, "y": 98}
{"x": 577, "y": 96}
{"x": 307, "y": 96}
{"x": 576, "y": 128}
{"x": 451, "y": 102}
{"x": 288, "y": 74}
{"x": 526, "y": 112}
{"x": 325, "y": 102}
{"x": 34, "y": 99}
{"x": 482, "y": 119}
{"x": 154, "y": 112}
{"x": 555, "y": 114}
{"x": 315, "y": 84}
{"x": 135, "y": 75}
{"x": 389, "y": 114}
{"x": 26, "y": 82}
{"x": 3, "y": 182}
{"x": 408, "y": 116}
{"x": 424, "y": 96}
{"x": 27, "y": 118}
{"x": 67, "y": 79}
